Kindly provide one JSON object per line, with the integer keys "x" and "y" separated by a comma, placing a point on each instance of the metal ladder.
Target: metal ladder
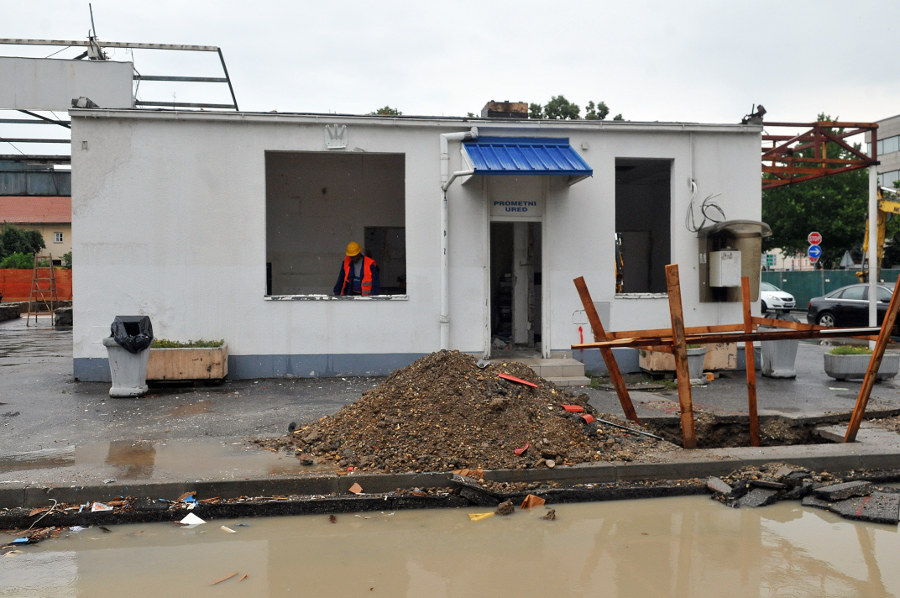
{"x": 43, "y": 287}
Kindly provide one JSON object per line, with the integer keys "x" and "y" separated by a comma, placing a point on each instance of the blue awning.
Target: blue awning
{"x": 525, "y": 156}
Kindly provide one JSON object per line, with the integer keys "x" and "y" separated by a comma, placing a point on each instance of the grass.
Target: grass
{"x": 164, "y": 343}
{"x": 850, "y": 350}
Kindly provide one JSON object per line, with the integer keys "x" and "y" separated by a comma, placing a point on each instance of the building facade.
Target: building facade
{"x": 888, "y": 147}
{"x": 234, "y": 226}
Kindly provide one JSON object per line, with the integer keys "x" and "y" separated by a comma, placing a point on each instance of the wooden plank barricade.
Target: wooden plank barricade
{"x": 676, "y": 339}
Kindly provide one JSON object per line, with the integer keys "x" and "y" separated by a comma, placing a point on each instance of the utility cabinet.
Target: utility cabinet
{"x": 727, "y": 251}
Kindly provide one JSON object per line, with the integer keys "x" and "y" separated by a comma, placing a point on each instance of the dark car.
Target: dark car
{"x": 848, "y": 306}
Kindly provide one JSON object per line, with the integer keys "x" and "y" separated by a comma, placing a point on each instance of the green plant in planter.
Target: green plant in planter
{"x": 850, "y": 350}
{"x": 164, "y": 343}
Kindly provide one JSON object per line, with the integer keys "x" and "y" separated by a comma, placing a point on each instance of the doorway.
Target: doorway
{"x": 515, "y": 277}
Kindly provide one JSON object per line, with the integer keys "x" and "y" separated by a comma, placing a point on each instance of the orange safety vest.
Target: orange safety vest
{"x": 366, "y": 283}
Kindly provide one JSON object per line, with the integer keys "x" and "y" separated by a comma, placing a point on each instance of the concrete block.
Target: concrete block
{"x": 718, "y": 485}
{"x": 815, "y": 503}
{"x": 758, "y": 497}
{"x": 836, "y": 492}
{"x": 879, "y": 507}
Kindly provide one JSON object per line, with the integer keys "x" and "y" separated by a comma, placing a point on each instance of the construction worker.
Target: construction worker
{"x": 358, "y": 275}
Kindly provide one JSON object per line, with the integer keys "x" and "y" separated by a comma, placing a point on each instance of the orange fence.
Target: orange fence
{"x": 15, "y": 285}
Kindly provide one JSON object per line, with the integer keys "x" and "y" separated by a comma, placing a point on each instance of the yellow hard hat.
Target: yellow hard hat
{"x": 353, "y": 248}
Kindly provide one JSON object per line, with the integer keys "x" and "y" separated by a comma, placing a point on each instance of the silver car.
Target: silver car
{"x": 773, "y": 298}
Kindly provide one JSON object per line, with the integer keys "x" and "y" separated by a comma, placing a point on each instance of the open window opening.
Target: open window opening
{"x": 643, "y": 224}
{"x": 317, "y": 203}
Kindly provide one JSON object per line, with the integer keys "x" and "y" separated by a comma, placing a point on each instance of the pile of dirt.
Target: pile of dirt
{"x": 444, "y": 412}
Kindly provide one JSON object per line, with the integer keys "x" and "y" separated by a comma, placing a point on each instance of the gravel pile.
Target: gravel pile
{"x": 444, "y": 412}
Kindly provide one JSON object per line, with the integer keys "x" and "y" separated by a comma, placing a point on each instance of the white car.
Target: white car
{"x": 772, "y": 298}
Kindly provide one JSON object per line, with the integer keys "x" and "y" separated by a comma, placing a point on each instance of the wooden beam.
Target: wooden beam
{"x": 608, "y": 358}
{"x": 887, "y": 325}
{"x": 679, "y": 349}
{"x": 750, "y": 364}
{"x": 668, "y": 331}
{"x": 734, "y": 337}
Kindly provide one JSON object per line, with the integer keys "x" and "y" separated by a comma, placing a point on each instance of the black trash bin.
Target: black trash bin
{"x": 127, "y": 344}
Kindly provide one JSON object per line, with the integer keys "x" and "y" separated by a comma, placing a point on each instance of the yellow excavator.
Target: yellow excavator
{"x": 885, "y": 207}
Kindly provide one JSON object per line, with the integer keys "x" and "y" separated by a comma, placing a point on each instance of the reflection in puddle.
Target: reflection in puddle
{"x": 135, "y": 460}
{"x": 191, "y": 409}
{"x": 659, "y": 547}
{"x": 161, "y": 460}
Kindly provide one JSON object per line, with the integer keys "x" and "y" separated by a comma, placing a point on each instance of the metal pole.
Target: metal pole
{"x": 873, "y": 246}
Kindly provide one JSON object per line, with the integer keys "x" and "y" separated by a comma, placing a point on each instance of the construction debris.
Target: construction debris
{"x": 445, "y": 413}
{"x": 858, "y": 499}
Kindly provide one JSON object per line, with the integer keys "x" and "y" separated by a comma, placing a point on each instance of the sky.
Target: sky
{"x": 687, "y": 61}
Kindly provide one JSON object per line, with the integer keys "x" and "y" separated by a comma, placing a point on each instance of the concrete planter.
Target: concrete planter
{"x": 696, "y": 357}
{"x": 845, "y": 367}
{"x": 128, "y": 370}
{"x": 658, "y": 361}
{"x": 188, "y": 363}
{"x": 778, "y": 357}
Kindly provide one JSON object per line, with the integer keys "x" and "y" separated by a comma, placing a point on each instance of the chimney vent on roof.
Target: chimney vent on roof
{"x": 505, "y": 109}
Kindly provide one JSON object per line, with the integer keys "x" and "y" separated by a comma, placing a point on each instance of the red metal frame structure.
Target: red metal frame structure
{"x": 785, "y": 160}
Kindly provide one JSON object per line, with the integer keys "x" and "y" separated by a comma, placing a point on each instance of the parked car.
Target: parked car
{"x": 771, "y": 297}
{"x": 848, "y": 306}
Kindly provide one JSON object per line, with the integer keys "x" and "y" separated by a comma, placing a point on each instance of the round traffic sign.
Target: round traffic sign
{"x": 814, "y": 238}
{"x": 814, "y": 252}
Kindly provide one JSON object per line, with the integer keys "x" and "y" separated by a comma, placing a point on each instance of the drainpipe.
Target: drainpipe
{"x": 447, "y": 179}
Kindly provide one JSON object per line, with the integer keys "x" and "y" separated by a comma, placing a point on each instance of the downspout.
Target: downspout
{"x": 446, "y": 180}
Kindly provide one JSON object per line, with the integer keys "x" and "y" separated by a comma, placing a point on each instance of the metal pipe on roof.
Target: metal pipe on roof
{"x": 446, "y": 181}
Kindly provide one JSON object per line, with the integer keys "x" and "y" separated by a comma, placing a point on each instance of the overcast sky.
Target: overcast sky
{"x": 692, "y": 61}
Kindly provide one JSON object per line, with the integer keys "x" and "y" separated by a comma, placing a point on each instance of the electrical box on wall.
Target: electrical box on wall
{"x": 725, "y": 268}
{"x": 729, "y": 251}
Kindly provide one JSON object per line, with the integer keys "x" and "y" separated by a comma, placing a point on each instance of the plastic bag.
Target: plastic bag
{"x": 132, "y": 333}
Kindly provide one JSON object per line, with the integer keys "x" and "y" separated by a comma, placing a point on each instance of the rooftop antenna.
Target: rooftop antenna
{"x": 95, "y": 52}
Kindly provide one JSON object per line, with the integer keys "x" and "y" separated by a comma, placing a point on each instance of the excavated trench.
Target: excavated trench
{"x": 734, "y": 431}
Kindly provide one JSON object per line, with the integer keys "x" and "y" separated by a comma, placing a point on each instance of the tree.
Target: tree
{"x": 386, "y": 111}
{"x": 17, "y": 240}
{"x": 598, "y": 112}
{"x": 835, "y": 206}
{"x": 17, "y": 261}
{"x": 559, "y": 108}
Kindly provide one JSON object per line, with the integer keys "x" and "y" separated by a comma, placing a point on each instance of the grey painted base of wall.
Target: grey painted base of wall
{"x": 627, "y": 358}
{"x": 248, "y": 367}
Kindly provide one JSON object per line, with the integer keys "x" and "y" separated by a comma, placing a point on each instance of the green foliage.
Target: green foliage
{"x": 596, "y": 112}
{"x": 17, "y": 240}
{"x": 164, "y": 343}
{"x": 559, "y": 108}
{"x": 835, "y": 206}
{"x": 851, "y": 350}
{"x": 17, "y": 261}
{"x": 67, "y": 260}
{"x": 386, "y": 111}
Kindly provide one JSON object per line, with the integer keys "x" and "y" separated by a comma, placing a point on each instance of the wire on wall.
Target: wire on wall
{"x": 709, "y": 210}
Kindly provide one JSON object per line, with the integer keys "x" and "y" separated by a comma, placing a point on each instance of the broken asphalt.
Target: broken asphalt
{"x": 68, "y": 441}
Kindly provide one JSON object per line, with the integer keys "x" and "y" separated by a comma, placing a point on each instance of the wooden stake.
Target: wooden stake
{"x": 608, "y": 358}
{"x": 750, "y": 363}
{"x": 679, "y": 350}
{"x": 884, "y": 338}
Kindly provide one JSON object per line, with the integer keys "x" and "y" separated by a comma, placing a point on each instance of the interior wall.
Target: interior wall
{"x": 643, "y": 217}
{"x": 318, "y": 202}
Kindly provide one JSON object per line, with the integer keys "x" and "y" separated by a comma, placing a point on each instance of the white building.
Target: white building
{"x": 233, "y": 226}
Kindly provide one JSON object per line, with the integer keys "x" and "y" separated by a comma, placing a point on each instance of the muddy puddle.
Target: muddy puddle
{"x": 125, "y": 460}
{"x": 687, "y": 546}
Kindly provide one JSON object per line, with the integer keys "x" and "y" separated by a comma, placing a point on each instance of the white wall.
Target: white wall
{"x": 52, "y": 84}
{"x": 169, "y": 221}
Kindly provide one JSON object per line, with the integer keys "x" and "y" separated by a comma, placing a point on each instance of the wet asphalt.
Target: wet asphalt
{"x": 68, "y": 439}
